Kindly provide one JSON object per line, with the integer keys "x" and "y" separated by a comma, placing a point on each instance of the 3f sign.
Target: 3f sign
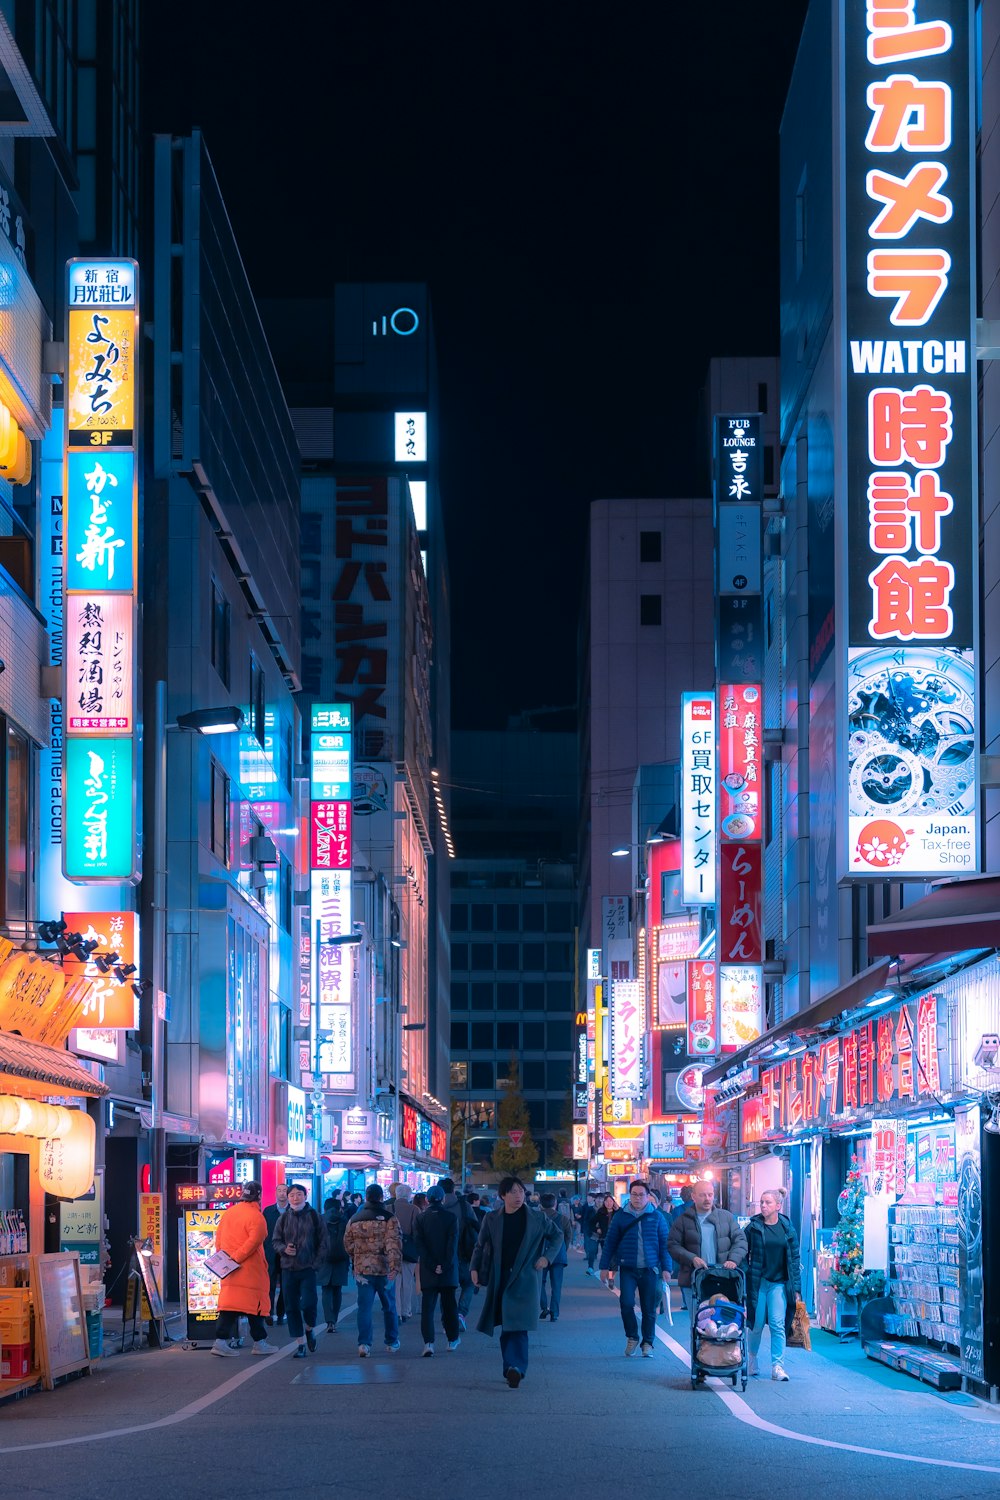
{"x": 403, "y": 321}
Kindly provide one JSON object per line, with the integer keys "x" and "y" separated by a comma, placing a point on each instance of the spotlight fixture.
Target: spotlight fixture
{"x": 140, "y": 986}
{"x": 123, "y": 972}
{"x": 105, "y": 961}
{"x": 82, "y": 950}
{"x": 49, "y": 931}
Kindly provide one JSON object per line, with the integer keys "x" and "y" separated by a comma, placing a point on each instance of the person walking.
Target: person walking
{"x": 406, "y": 1218}
{"x": 468, "y": 1233}
{"x": 333, "y": 1270}
{"x": 591, "y": 1244}
{"x": 515, "y": 1243}
{"x": 704, "y": 1235}
{"x": 436, "y": 1235}
{"x": 374, "y": 1243}
{"x": 552, "y": 1276}
{"x": 272, "y": 1213}
{"x": 773, "y": 1275}
{"x": 247, "y": 1290}
{"x": 299, "y": 1237}
{"x": 603, "y": 1217}
{"x": 636, "y": 1243}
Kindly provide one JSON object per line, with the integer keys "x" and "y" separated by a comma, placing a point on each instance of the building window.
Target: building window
{"x": 220, "y": 632}
{"x": 482, "y": 996}
{"x": 459, "y": 917}
{"x": 533, "y": 1075}
{"x": 534, "y": 956}
{"x": 508, "y": 995}
{"x": 459, "y": 1036}
{"x": 534, "y": 1037}
{"x": 559, "y": 916}
{"x": 533, "y": 918}
{"x": 762, "y": 396}
{"x": 481, "y": 1075}
{"x": 800, "y": 225}
{"x": 482, "y": 955}
{"x": 556, "y": 1078}
{"x": 16, "y": 789}
{"x": 508, "y": 1036}
{"x": 507, "y": 920}
{"x": 482, "y": 917}
{"x": 508, "y": 956}
{"x": 534, "y": 995}
{"x": 258, "y": 699}
{"x": 650, "y": 546}
{"x": 285, "y": 889}
{"x": 220, "y": 813}
{"x": 459, "y": 957}
{"x": 650, "y": 609}
{"x": 559, "y": 957}
{"x": 558, "y": 1036}
{"x": 459, "y": 1075}
{"x": 769, "y": 464}
{"x": 459, "y": 997}
{"x": 482, "y": 1036}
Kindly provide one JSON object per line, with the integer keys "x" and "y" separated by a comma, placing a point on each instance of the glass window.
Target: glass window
{"x": 459, "y": 916}
{"x": 258, "y": 699}
{"x": 558, "y": 956}
{"x": 534, "y": 1036}
{"x": 508, "y": 1036}
{"x": 650, "y": 546}
{"x": 459, "y": 1036}
{"x": 507, "y": 920}
{"x": 559, "y": 916}
{"x": 220, "y": 813}
{"x": 459, "y": 957}
{"x": 557, "y": 1076}
{"x": 555, "y": 1111}
{"x": 533, "y": 918}
{"x": 559, "y": 994}
{"x": 17, "y": 841}
{"x": 481, "y": 917}
{"x": 558, "y": 1036}
{"x": 534, "y": 955}
{"x": 220, "y": 632}
{"x": 650, "y": 609}
{"x": 481, "y": 1075}
{"x": 482, "y": 955}
{"x": 508, "y": 995}
{"x": 534, "y": 995}
{"x": 460, "y": 997}
{"x": 482, "y": 1036}
{"x": 536, "y": 1115}
{"x": 459, "y": 1075}
{"x": 508, "y": 956}
{"x": 482, "y": 996}
{"x": 482, "y": 1113}
{"x": 533, "y": 1074}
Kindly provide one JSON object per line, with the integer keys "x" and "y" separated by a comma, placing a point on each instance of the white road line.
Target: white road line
{"x": 183, "y": 1414}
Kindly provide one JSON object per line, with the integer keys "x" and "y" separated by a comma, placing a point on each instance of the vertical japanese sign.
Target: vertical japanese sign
{"x": 100, "y": 575}
{"x": 909, "y": 570}
{"x": 698, "y": 798}
{"x": 331, "y": 772}
{"x": 627, "y": 1027}
{"x": 702, "y": 1008}
{"x": 740, "y": 947}
{"x": 110, "y": 1002}
{"x": 739, "y": 500}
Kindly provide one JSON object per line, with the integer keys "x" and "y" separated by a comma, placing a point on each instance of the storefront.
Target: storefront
{"x": 422, "y": 1159}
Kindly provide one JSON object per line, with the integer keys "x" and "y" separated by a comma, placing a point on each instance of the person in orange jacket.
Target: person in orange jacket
{"x": 247, "y": 1290}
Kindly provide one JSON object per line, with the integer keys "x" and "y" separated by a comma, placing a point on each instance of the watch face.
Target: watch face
{"x": 911, "y": 760}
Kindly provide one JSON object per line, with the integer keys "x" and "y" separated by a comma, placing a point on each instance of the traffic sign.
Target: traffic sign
{"x": 516, "y": 1138}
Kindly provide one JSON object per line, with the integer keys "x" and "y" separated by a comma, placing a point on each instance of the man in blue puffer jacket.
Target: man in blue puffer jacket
{"x": 636, "y": 1243}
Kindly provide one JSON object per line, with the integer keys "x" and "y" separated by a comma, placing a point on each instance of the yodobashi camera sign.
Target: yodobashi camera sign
{"x": 908, "y": 607}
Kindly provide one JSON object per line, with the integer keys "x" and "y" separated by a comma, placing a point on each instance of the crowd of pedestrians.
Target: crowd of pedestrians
{"x": 448, "y": 1247}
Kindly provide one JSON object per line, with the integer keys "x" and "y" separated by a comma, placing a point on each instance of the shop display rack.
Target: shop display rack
{"x": 924, "y": 1274}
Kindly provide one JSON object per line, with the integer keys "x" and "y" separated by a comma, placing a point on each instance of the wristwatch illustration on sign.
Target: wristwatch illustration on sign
{"x": 912, "y": 748}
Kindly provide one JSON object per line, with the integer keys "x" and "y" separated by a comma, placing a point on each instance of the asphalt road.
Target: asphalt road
{"x": 165, "y": 1425}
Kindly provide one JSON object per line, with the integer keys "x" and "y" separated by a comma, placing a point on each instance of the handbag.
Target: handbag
{"x": 410, "y": 1251}
{"x": 799, "y": 1336}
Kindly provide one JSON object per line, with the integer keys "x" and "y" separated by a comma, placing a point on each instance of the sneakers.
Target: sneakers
{"x": 428, "y": 1351}
{"x": 453, "y": 1345}
{"x": 778, "y": 1373}
{"x": 393, "y": 1348}
{"x": 311, "y": 1340}
{"x": 331, "y": 1328}
{"x": 221, "y": 1347}
{"x": 543, "y": 1314}
{"x": 647, "y": 1351}
{"x": 753, "y": 1368}
{"x": 513, "y": 1378}
{"x": 462, "y": 1323}
{"x": 300, "y": 1352}
{"x": 590, "y": 1271}
{"x": 631, "y": 1345}
{"x": 364, "y": 1350}
{"x": 263, "y": 1347}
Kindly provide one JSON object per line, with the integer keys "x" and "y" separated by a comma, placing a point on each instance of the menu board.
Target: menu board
{"x": 59, "y": 1315}
{"x": 201, "y": 1286}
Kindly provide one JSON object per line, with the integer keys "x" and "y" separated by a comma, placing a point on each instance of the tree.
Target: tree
{"x": 849, "y": 1276}
{"x": 458, "y": 1132}
{"x": 513, "y": 1115}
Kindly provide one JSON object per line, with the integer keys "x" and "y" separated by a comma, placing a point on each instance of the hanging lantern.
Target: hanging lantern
{"x": 66, "y": 1163}
{"x": 10, "y": 1111}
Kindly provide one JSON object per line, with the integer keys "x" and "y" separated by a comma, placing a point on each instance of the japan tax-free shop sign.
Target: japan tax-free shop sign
{"x": 908, "y": 512}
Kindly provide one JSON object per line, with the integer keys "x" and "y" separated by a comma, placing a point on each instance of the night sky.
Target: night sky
{"x": 591, "y": 193}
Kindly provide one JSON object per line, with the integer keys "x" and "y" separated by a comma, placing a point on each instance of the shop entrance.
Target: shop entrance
{"x": 121, "y": 1178}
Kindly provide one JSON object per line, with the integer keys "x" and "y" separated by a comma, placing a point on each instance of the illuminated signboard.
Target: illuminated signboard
{"x": 99, "y": 663}
{"x": 627, "y": 1027}
{"x": 740, "y": 762}
{"x": 702, "y": 1008}
{"x": 910, "y": 528}
{"x": 581, "y": 1144}
{"x": 330, "y": 901}
{"x": 330, "y": 770}
{"x": 410, "y": 1123}
{"x": 698, "y": 798}
{"x": 411, "y": 437}
{"x": 665, "y": 1142}
{"x": 741, "y": 1005}
{"x": 739, "y": 496}
{"x": 897, "y": 1058}
{"x": 330, "y": 840}
{"x": 111, "y": 1003}
{"x": 739, "y": 937}
{"x": 99, "y": 552}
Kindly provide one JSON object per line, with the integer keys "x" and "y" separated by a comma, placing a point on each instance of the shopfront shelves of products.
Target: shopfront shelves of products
{"x": 924, "y": 1273}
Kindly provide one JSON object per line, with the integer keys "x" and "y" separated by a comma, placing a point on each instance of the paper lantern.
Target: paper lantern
{"x": 66, "y": 1163}
{"x": 10, "y": 1111}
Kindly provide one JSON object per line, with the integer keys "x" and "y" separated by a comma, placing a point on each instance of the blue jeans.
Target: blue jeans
{"x": 298, "y": 1289}
{"x": 590, "y": 1248}
{"x": 646, "y": 1281}
{"x": 771, "y": 1308}
{"x": 554, "y": 1276}
{"x": 514, "y": 1352}
{"x": 383, "y": 1287}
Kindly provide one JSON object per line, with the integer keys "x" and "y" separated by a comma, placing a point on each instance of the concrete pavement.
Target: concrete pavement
{"x": 177, "y": 1423}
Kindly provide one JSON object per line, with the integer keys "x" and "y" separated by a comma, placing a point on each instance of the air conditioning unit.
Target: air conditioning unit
{"x": 261, "y": 850}
{"x": 258, "y": 880}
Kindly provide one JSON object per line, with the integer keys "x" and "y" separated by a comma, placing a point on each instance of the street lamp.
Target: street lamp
{"x": 493, "y": 1136}
{"x": 228, "y": 720}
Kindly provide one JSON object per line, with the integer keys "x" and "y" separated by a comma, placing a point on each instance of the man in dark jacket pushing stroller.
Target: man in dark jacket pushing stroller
{"x": 704, "y": 1235}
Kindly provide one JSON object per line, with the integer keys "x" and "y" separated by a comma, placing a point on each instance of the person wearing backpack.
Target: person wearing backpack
{"x": 468, "y": 1234}
{"x": 636, "y": 1243}
{"x": 332, "y": 1273}
{"x": 300, "y": 1238}
{"x": 406, "y": 1282}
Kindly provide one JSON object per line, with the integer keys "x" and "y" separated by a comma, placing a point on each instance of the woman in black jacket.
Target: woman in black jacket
{"x": 602, "y": 1221}
{"x": 773, "y": 1273}
{"x": 333, "y": 1270}
{"x": 436, "y": 1234}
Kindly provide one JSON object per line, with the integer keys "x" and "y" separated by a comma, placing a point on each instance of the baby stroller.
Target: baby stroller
{"x": 719, "y": 1345}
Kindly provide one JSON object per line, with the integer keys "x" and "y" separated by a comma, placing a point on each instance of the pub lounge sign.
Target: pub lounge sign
{"x": 894, "y": 1059}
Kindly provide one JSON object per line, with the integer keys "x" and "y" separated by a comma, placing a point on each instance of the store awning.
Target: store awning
{"x": 846, "y": 997}
{"x": 954, "y": 918}
{"x": 33, "y": 1070}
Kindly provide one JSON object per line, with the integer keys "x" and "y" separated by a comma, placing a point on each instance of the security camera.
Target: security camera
{"x": 985, "y": 1055}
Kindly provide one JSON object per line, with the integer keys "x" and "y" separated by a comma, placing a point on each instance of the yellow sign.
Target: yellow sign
{"x": 614, "y": 1111}
{"x": 100, "y": 385}
{"x": 151, "y": 1228}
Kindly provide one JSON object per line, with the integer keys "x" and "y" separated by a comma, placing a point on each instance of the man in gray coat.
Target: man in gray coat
{"x": 515, "y": 1244}
{"x": 704, "y": 1235}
